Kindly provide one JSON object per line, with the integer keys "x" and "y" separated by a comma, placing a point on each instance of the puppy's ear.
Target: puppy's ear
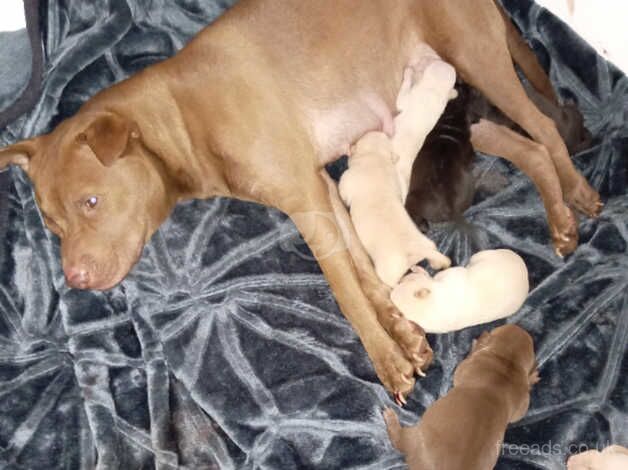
{"x": 533, "y": 377}
{"x": 20, "y": 153}
{"x": 481, "y": 341}
{"x": 108, "y": 136}
{"x": 422, "y": 293}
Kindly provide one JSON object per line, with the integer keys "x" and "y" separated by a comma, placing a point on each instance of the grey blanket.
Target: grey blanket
{"x": 224, "y": 348}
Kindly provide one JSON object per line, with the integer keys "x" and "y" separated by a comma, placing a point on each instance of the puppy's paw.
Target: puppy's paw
{"x": 584, "y": 199}
{"x": 438, "y": 261}
{"x": 564, "y": 230}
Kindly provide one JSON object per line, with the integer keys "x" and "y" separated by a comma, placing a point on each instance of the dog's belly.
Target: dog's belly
{"x": 334, "y": 129}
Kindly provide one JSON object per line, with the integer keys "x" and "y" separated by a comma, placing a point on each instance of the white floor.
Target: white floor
{"x": 603, "y": 23}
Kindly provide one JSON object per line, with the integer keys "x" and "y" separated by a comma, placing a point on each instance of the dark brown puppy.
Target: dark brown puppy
{"x": 464, "y": 430}
{"x": 442, "y": 185}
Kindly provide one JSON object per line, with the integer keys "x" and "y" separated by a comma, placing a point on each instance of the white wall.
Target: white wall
{"x": 603, "y": 23}
{"x": 11, "y": 15}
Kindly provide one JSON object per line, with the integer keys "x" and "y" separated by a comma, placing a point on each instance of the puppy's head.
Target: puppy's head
{"x": 99, "y": 190}
{"x": 511, "y": 343}
{"x": 372, "y": 143}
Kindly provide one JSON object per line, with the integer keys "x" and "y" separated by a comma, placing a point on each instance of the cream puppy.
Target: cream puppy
{"x": 426, "y": 88}
{"x": 375, "y": 185}
{"x": 369, "y": 187}
{"x": 612, "y": 458}
{"x": 493, "y": 285}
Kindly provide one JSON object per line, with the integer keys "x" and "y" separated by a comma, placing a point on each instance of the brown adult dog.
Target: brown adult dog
{"x": 253, "y": 108}
{"x": 464, "y": 430}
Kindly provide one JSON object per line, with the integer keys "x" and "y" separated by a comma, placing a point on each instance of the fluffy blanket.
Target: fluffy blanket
{"x": 225, "y": 348}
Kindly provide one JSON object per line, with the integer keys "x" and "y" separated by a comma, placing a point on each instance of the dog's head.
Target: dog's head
{"x": 100, "y": 190}
{"x": 512, "y": 343}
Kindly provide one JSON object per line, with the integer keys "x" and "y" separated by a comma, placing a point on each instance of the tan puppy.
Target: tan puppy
{"x": 493, "y": 285}
{"x": 611, "y": 458}
{"x": 371, "y": 189}
{"x": 370, "y": 186}
{"x": 425, "y": 91}
{"x": 464, "y": 430}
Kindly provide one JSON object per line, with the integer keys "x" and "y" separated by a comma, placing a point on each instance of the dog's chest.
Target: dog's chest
{"x": 336, "y": 127}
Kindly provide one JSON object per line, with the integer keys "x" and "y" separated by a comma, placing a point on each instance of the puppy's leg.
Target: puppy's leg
{"x": 393, "y": 427}
{"x": 409, "y": 336}
{"x": 534, "y": 160}
{"x": 486, "y": 64}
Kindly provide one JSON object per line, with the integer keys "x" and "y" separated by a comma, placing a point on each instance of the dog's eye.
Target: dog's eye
{"x": 91, "y": 202}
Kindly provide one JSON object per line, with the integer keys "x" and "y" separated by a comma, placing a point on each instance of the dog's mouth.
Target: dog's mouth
{"x": 106, "y": 275}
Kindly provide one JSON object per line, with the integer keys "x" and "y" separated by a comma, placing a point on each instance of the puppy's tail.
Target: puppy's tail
{"x": 524, "y": 57}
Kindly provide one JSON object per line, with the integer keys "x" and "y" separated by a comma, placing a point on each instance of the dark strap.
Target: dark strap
{"x": 31, "y": 93}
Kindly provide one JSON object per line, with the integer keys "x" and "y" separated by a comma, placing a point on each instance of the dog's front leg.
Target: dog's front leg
{"x": 408, "y": 335}
{"x": 310, "y": 209}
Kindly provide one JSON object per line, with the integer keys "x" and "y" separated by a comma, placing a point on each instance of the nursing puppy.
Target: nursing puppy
{"x": 372, "y": 186}
{"x": 464, "y": 430}
{"x": 493, "y": 285}
{"x": 442, "y": 184}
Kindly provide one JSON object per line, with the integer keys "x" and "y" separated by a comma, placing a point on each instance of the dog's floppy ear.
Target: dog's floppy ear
{"x": 108, "y": 136}
{"x": 19, "y": 153}
{"x": 533, "y": 377}
{"x": 422, "y": 293}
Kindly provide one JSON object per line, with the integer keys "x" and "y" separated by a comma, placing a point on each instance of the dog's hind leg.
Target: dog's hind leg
{"x": 409, "y": 336}
{"x": 534, "y": 160}
{"x": 486, "y": 64}
{"x": 528, "y": 62}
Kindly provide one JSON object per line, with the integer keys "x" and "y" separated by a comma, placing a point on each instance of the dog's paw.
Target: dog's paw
{"x": 409, "y": 336}
{"x": 584, "y": 199}
{"x": 564, "y": 229}
{"x": 393, "y": 369}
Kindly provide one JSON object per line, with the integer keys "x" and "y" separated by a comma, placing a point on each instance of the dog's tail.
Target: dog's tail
{"x": 524, "y": 57}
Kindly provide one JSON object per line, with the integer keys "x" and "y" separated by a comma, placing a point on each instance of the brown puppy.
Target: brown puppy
{"x": 464, "y": 430}
{"x": 442, "y": 185}
{"x": 253, "y": 108}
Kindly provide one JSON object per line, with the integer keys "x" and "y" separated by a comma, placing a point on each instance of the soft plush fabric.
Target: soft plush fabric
{"x": 224, "y": 348}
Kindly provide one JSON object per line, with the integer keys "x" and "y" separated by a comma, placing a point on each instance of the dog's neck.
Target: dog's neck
{"x": 192, "y": 169}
